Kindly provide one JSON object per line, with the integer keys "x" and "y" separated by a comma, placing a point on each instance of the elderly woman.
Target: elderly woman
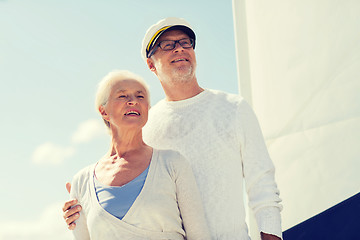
{"x": 134, "y": 191}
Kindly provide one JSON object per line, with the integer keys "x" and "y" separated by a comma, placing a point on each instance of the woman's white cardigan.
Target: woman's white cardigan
{"x": 168, "y": 207}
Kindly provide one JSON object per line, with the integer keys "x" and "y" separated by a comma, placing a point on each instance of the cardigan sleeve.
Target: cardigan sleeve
{"x": 259, "y": 172}
{"x": 189, "y": 202}
{"x": 77, "y": 189}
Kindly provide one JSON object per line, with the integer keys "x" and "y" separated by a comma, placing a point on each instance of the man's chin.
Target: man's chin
{"x": 183, "y": 72}
{"x": 182, "y": 76}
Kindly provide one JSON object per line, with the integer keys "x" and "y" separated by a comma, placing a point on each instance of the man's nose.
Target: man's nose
{"x": 178, "y": 47}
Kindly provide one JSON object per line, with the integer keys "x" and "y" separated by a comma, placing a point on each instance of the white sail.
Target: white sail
{"x": 303, "y": 60}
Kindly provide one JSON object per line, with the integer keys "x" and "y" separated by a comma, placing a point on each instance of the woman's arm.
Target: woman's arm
{"x": 190, "y": 203}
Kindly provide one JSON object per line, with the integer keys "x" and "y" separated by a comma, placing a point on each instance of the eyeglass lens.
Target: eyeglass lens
{"x": 170, "y": 44}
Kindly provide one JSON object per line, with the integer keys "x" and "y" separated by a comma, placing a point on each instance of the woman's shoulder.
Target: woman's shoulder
{"x": 81, "y": 178}
{"x": 84, "y": 172}
{"x": 80, "y": 182}
{"x": 171, "y": 159}
{"x": 169, "y": 155}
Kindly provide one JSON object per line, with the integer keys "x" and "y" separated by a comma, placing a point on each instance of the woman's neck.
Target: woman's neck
{"x": 125, "y": 143}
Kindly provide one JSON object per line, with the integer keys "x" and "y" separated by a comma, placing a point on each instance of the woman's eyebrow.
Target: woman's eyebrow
{"x": 120, "y": 91}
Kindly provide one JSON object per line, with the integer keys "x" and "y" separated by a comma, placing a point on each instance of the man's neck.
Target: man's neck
{"x": 177, "y": 91}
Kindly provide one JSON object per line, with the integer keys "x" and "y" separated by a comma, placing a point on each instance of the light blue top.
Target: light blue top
{"x": 118, "y": 200}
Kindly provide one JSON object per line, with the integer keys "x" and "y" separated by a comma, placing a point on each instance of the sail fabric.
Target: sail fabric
{"x": 304, "y": 61}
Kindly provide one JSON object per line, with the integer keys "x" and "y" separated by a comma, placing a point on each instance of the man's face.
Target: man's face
{"x": 178, "y": 63}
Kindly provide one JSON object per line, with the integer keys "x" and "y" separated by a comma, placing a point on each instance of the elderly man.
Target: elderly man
{"x": 217, "y": 132}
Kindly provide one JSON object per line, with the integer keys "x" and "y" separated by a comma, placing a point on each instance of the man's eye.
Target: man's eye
{"x": 185, "y": 43}
{"x": 140, "y": 96}
{"x": 122, "y": 96}
{"x": 166, "y": 45}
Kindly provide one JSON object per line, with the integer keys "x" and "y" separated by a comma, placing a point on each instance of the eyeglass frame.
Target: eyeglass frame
{"x": 153, "y": 50}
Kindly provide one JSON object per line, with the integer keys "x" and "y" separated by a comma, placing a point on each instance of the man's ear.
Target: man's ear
{"x": 151, "y": 64}
{"x": 103, "y": 113}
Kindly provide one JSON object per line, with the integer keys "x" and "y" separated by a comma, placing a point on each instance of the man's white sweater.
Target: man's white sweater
{"x": 218, "y": 133}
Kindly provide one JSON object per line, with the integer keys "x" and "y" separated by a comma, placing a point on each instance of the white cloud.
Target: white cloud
{"x": 50, "y": 225}
{"x": 49, "y": 153}
{"x": 88, "y": 130}
{"x": 53, "y": 154}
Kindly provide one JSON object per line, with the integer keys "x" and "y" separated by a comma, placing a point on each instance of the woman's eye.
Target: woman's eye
{"x": 140, "y": 96}
{"x": 122, "y": 96}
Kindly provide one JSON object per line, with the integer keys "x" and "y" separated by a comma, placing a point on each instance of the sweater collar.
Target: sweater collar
{"x": 189, "y": 101}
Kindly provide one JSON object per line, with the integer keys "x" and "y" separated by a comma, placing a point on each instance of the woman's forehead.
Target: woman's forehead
{"x": 128, "y": 85}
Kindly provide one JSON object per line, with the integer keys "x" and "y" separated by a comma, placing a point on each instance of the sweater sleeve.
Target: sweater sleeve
{"x": 77, "y": 189}
{"x": 189, "y": 202}
{"x": 259, "y": 173}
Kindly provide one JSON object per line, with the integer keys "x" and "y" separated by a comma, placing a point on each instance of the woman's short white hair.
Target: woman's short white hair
{"x": 112, "y": 78}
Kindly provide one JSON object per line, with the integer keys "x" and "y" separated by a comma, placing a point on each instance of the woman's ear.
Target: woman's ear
{"x": 151, "y": 64}
{"x": 103, "y": 113}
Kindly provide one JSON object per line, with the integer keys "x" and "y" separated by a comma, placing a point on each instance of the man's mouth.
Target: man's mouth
{"x": 132, "y": 113}
{"x": 180, "y": 60}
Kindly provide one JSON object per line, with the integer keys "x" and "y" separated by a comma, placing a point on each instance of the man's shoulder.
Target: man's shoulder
{"x": 210, "y": 97}
{"x": 158, "y": 106}
{"x": 222, "y": 96}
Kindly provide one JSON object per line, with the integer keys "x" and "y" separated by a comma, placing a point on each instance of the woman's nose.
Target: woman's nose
{"x": 132, "y": 101}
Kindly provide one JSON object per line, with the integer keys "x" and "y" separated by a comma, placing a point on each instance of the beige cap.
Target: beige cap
{"x": 155, "y": 31}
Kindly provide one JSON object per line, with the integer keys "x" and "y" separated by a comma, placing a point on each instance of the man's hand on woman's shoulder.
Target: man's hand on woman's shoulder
{"x": 71, "y": 211}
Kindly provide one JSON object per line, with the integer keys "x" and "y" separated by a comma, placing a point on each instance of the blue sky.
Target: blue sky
{"x": 52, "y": 55}
{"x": 304, "y": 74}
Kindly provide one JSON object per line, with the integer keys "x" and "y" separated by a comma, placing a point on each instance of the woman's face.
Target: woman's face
{"x": 127, "y": 106}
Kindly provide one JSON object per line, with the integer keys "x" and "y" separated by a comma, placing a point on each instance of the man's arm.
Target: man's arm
{"x": 71, "y": 213}
{"x": 259, "y": 173}
{"x": 265, "y": 236}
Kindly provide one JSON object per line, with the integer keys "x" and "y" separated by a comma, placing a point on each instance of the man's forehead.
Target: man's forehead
{"x": 173, "y": 35}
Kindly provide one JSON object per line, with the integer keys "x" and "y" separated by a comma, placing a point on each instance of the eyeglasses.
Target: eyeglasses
{"x": 168, "y": 45}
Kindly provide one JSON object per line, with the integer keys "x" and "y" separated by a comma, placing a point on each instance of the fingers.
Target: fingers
{"x": 72, "y": 226}
{"x": 71, "y": 213}
{"x": 71, "y": 219}
{"x": 68, "y": 186}
{"x": 69, "y": 204}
